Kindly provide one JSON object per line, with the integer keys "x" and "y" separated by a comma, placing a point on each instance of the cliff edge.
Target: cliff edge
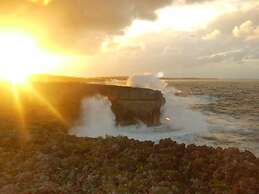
{"x": 130, "y": 105}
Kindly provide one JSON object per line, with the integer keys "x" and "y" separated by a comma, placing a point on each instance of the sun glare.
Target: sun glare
{"x": 21, "y": 56}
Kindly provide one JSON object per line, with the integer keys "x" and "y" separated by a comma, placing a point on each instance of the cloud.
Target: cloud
{"x": 109, "y": 15}
{"x": 245, "y": 12}
{"x": 198, "y": 1}
{"x": 92, "y": 25}
{"x": 247, "y": 30}
{"x": 195, "y": 53}
{"x": 238, "y": 56}
{"x": 212, "y": 35}
{"x": 111, "y": 46}
{"x": 78, "y": 23}
{"x": 222, "y": 56}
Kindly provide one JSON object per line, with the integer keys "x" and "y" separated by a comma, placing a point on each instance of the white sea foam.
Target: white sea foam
{"x": 178, "y": 120}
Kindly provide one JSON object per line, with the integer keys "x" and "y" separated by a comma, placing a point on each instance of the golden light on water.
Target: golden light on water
{"x": 21, "y": 56}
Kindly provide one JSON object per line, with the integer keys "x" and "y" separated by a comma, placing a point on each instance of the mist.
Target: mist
{"x": 97, "y": 118}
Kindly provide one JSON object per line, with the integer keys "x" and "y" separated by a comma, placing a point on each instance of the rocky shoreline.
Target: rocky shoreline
{"x": 40, "y": 157}
{"x": 53, "y": 162}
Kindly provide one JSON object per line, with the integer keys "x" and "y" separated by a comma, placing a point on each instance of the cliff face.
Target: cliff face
{"x": 130, "y": 105}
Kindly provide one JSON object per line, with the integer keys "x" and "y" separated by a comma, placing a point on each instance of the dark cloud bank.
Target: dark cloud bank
{"x": 80, "y": 24}
{"x": 67, "y": 20}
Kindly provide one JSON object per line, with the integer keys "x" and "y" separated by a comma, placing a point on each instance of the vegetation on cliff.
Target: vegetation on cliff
{"x": 54, "y": 162}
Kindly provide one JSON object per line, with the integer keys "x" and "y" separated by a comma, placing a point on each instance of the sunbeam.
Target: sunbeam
{"x": 20, "y": 113}
{"x": 29, "y": 88}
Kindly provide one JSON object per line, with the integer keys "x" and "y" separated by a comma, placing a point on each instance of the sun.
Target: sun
{"x": 21, "y": 56}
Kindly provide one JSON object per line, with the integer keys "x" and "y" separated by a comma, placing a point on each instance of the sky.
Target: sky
{"x": 176, "y": 38}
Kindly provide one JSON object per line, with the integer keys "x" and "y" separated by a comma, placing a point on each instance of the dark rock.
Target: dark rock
{"x": 130, "y": 105}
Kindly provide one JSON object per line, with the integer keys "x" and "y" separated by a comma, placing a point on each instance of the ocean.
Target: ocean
{"x": 209, "y": 112}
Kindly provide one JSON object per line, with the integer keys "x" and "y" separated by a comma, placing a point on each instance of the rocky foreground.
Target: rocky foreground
{"x": 37, "y": 156}
{"x": 54, "y": 162}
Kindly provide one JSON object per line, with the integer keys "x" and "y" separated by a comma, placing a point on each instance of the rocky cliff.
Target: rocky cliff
{"x": 130, "y": 105}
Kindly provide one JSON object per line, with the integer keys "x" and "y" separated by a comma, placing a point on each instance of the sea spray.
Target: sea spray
{"x": 178, "y": 115}
{"x": 97, "y": 118}
{"x": 178, "y": 120}
{"x": 146, "y": 81}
